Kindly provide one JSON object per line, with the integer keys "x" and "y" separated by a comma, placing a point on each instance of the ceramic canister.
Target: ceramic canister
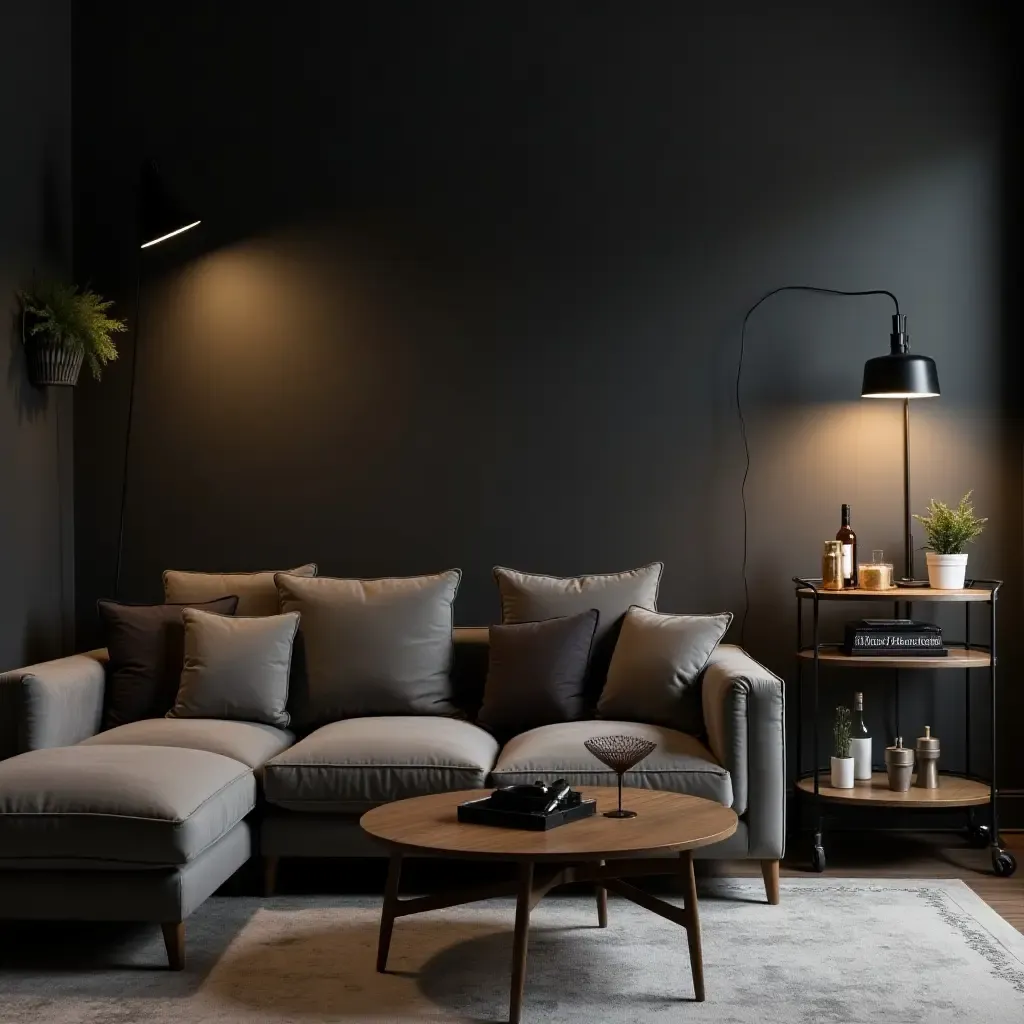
{"x": 899, "y": 766}
{"x": 927, "y": 760}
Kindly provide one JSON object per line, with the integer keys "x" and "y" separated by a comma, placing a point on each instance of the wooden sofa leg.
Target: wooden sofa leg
{"x": 174, "y": 941}
{"x": 770, "y": 870}
{"x": 270, "y": 875}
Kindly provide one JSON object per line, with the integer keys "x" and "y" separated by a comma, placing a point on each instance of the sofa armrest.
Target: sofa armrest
{"x": 745, "y": 718}
{"x": 53, "y": 704}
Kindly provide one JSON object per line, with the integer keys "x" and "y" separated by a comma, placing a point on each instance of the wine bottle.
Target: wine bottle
{"x": 860, "y": 740}
{"x": 848, "y": 539}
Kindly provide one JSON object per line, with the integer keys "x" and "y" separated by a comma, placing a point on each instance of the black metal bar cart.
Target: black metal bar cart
{"x": 957, "y": 790}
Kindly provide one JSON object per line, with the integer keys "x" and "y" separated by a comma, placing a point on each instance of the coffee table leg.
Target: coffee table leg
{"x": 519, "y": 941}
{"x": 693, "y": 927}
{"x": 387, "y": 914}
{"x": 602, "y": 904}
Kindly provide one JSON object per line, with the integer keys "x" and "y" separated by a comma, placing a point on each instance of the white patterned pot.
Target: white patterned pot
{"x": 842, "y": 773}
{"x": 946, "y": 572}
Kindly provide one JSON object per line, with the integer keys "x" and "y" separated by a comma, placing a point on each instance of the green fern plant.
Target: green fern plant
{"x": 841, "y": 731}
{"x": 74, "y": 318}
{"x": 949, "y": 529}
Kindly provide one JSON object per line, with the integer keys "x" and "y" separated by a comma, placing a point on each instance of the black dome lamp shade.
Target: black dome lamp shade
{"x": 900, "y": 374}
{"x": 160, "y": 215}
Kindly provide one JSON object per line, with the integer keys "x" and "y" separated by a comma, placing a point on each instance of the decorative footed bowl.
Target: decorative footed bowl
{"x": 620, "y": 753}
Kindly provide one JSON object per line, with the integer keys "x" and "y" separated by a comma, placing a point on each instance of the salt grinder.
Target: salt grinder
{"x": 899, "y": 766}
{"x": 927, "y": 760}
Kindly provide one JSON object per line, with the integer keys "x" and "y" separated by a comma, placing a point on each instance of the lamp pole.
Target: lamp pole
{"x": 159, "y": 218}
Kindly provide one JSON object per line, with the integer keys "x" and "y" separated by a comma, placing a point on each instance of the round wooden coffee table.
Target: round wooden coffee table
{"x": 598, "y": 849}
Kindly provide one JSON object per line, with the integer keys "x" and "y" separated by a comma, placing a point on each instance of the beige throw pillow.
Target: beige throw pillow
{"x": 236, "y": 668}
{"x": 655, "y": 672}
{"x": 257, "y": 592}
{"x": 371, "y": 647}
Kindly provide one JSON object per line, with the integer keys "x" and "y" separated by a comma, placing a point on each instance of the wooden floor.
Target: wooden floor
{"x": 917, "y": 855}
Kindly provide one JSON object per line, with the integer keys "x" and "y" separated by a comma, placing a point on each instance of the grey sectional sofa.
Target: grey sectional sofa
{"x": 143, "y": 822}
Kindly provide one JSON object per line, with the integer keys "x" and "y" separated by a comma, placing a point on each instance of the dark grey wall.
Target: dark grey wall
{"x": 470, "y": 281}
{"x": 36, "y": 499}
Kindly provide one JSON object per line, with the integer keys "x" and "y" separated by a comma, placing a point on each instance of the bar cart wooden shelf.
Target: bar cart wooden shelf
{"x": 956, "y": 790}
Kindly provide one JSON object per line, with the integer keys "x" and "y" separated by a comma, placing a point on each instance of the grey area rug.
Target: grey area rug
{"x": 846, "y": 951}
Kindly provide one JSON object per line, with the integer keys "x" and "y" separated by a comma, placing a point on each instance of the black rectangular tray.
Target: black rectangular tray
{"x": 477, "y": 812}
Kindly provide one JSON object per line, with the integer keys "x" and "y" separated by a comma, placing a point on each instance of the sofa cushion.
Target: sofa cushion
{"x": 236, "y": 668}
{"x": 528, "y": 597}
{"x": 351, "y": 766}
{"x": 137, "y": 805}
{"x": 251, "y": 743}
{"x": 146, "y": 643}
{"x": 371, "y": 647}
{"x": 536, "y": 673}
{"x": 257, "y": 592}
{"x": 655, "y": 671}
{"x": 680, "y": 764}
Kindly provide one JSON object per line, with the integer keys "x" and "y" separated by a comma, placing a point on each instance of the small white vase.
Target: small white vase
{"x": 946, "y": 572}
{"x": 842, "y": 773}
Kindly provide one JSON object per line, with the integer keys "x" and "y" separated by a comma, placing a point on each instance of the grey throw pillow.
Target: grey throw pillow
{"x": 536, "y": 673}
{"x": 655, "y": 672}
{"x": 257, "y": 592}
{"x": 371, "y": 647}
{"x": 236, "y": 668}
{"x": 526, "y": 597}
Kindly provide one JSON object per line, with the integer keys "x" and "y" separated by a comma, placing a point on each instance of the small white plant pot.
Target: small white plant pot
{"x": 842, "y": 773}
{"x": 946, "y": 572}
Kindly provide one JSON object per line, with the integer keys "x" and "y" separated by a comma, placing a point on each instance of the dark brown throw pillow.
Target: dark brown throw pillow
{"x": 146, "y": 644}
{"x": 536, "y": 673}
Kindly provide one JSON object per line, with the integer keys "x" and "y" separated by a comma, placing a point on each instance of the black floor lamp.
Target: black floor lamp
{"x": 902, "y": 375}
{"x": 160, "y": 217}
{"x": 899, "y": 374}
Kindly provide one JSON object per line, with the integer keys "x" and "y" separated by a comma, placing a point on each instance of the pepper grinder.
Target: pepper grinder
{"x": 927, "y": 760}
{"x": 899, "y": 766}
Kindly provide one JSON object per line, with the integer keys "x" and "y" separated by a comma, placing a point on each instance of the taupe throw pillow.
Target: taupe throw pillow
{"x": 236, "y": 668}
{"x": 371, "y": 647}
{"x": 526, "y": 597}
{"x": 145, "y": 643}
{"x": 257, "y": 592}
{"x": 536, "y": 673}
{"x": 655, "y": 672}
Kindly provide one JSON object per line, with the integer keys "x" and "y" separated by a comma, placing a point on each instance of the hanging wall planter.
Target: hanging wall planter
{"x": 62, "y": 328}
{"x": 52, "y": 364}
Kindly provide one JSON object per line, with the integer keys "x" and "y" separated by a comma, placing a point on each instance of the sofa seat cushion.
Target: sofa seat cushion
{"x": 679, "y": 764}
{"x": 147, "y": 806}
{"x": 249, "y": 742}
{"x": 356, "y": 764}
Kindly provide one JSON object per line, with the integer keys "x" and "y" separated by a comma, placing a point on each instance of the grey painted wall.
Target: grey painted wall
{"x": 470, "y": 281}
{"x": 36, "y": 499}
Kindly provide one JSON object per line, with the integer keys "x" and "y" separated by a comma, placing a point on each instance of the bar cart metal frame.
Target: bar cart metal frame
{"x": 964, "y": 789}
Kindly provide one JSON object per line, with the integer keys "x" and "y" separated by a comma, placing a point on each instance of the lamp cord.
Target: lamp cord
{"x": 128, "y": 426}
{"x": 743, "y": 422}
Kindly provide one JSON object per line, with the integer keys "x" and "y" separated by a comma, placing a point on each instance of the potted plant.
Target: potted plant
{"x": 949, "y": 529}
{"x": 63, "y": 326}
{"x": 842, "y": 762}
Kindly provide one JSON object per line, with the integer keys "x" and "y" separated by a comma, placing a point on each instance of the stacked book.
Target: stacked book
{"x": 893, "y": 637}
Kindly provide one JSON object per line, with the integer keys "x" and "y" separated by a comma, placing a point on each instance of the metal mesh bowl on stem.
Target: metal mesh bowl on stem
{"x": 620, "y": 753}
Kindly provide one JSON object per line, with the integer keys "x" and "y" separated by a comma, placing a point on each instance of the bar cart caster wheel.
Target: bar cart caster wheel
{"x": 979, "y": 836}
{"x": 1003, "y": 863}
{"x": 818, "y": 859}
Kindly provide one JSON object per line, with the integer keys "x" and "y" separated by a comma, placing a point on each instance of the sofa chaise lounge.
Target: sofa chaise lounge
{"x": 144, "y": 821}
